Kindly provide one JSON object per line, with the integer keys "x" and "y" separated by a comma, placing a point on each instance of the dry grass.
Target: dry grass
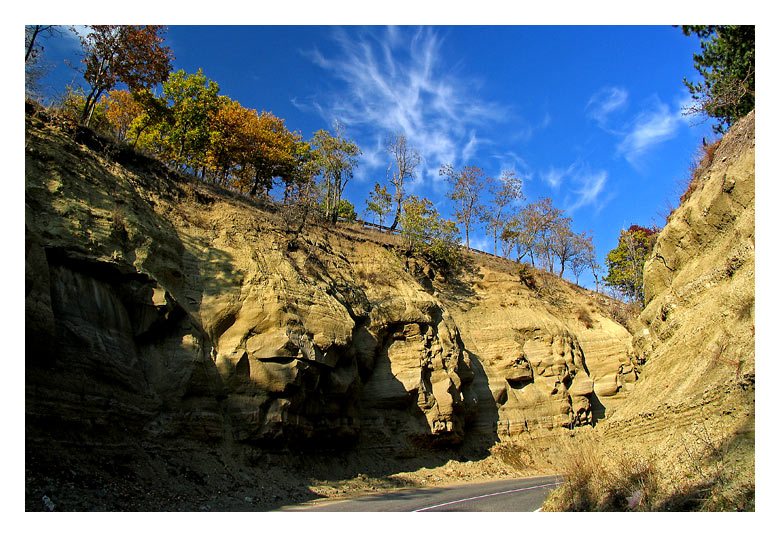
{"x": 708, "y": 473}
{"x": 704, "y": 157}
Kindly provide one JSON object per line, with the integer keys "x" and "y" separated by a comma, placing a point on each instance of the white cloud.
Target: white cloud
{"x": 649, "y": 129}
{"x": 604, "y": 103}
{"x": 554, "y": 176}
{"x": 590, "y": 188}
{"x": 396, "y": 82}
{"x": 653, "y": 125}
{"x": 582, "y": 186}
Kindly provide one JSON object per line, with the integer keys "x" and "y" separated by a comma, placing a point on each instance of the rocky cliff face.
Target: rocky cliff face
{"x": 693, "y": 413}
{"x": 698, "y": 326}
{"x": 163, "y": 310}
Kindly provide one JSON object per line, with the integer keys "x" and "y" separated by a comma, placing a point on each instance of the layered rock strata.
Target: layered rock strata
{"x": 163, "y": 309}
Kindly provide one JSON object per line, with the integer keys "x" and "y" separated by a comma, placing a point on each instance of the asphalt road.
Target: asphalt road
{"x": 506, "y": 495}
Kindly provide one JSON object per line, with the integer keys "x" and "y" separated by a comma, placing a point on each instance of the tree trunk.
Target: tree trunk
{"x": 32, "y": 43}
{"x": 397, "y": 216}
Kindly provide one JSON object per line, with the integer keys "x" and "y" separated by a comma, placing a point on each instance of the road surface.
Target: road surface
{"x": 506, "y": 495}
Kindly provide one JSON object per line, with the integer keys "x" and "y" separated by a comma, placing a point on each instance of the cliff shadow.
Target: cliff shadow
{"x": 597, "y": 409}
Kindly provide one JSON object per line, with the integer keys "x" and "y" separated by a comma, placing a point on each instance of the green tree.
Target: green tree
{"x": 379, "y": 202}
{"x": 72, "y": 103}
{"x": 626, "y": 262}
{"x": 336, "y": 158}
{"x": 303, "y": 172}
{"x": 191, "y": 99}
{"x": 347, "y": 211}
{"x": 728, "y": 65}
{"x": 145, "y": 130}
{"x": 427, "y": 233}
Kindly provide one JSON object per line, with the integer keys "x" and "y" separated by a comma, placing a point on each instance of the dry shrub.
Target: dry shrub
{"x": 118, "y": 226}
{"x": 585, "y": 317}
{"x": 623, "y": 313}
{"x": 526, "y": 274}
{"x": 582, "y": 465}
{"x": 708, "y": 469}
{"x": 633, "y": 484}
{"x": 711, "y": 473}
{"x": 705, "y": 156}
{"x": 597, "y": 480}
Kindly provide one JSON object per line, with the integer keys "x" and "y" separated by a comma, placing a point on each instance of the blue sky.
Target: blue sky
{"x": 588, "y": 115}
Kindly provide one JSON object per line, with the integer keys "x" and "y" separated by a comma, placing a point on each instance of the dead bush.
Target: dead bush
{"x": 599, "y": 481}
{"x": 704, "y": 158}
{"x": 584, "y": 316}
{"x": 526, "y": 274}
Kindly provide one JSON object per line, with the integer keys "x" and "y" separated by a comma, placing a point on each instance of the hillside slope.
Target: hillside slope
{"x": 690, "y": 422}
{"x": 182, "y": 343}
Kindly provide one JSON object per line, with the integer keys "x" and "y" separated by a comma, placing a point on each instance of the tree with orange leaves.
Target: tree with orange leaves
{"x": 121, "y": 110}
{"x": 133, "y": 55}
{"x": 230, "y": 143}
{"x": 274, "y": 151}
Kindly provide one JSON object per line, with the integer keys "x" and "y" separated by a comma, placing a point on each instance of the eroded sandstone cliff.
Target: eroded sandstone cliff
{"x": 161, "y": 310}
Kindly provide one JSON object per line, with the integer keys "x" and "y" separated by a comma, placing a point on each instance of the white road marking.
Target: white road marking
{"x": 486, "y": 496}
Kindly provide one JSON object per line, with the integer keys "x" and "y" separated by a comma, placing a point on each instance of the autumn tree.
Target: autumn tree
{"x": 133, "y": 55}
{"x": 122, "y": 109}
{"x": 145, "y": 130}
{"x": 275, "y": 152}
{"x": 573, "y": 250}
{"x": 379, "y": 202}
{"x": 508, "y": 189}
{"x": 577, "y": 266}
{"x": 584, "y": 258}
{"x": 466, "y": 185}
{"x": 727, "y": 64}
{"x": 336, "y": 158}
{"x": 564, "y": 244}
{"x": 531, "y": 230}
{"x": 229, "y": 146}
{"x": 406, "y": 160}
{"x": 625, "y": 263}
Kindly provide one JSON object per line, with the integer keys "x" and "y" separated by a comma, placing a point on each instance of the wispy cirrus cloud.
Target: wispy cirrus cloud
{"x": 649, "y": 128}
{"x": 589, "y": 190}
{"x": 654, "y": 124}
{"x": 395, "y": 80}
{"x": 604, "y": 103}
{"x": 581, "y": 186}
